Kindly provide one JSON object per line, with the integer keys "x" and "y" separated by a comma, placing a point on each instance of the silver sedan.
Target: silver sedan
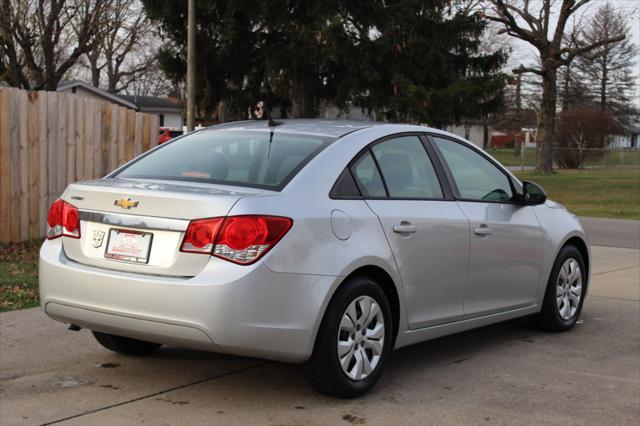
{"x": 326, "y": 242}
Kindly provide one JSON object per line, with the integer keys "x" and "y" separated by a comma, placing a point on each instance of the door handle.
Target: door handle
{"x": 404, "y": 229}
{"x": 483, "y": 230}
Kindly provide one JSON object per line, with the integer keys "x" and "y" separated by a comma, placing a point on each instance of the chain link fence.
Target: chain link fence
{"x": 570, "y": 158}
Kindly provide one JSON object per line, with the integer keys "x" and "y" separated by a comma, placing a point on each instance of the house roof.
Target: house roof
{"x": 152, "y": 103}
{"x": 139, "y": 103}
{"x": 66, "y": 85}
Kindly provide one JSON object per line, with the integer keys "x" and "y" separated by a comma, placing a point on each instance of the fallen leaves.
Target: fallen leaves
{"x": 19, "y": 275}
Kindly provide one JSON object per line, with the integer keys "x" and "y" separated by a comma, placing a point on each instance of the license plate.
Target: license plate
{"x": 128, "y": 246}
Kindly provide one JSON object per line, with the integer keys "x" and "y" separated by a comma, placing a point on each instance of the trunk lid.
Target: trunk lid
{"x": 158, "y": 211}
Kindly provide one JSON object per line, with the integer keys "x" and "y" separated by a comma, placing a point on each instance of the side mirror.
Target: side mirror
{"x": 532, "y": 193}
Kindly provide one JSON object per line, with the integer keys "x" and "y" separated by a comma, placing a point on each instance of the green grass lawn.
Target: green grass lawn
{"x": 19, "y": 275}
{"x": 612, "y": 192}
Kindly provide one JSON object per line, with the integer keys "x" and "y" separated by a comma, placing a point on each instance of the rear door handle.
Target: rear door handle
{"x": 482, "y": 230}
{"x": 404, "y": 229}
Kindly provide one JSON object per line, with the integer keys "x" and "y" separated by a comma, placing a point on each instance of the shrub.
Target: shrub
{"x": 581, "y": 136}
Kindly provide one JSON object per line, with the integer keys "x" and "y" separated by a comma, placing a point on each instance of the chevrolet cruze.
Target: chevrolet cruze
{"x": 326, "y": 242}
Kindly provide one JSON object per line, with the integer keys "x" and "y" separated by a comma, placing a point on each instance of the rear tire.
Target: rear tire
{"x": 565, "y": 292}
{"x": 125, "y": 345}
{"x": 349, "y": 355}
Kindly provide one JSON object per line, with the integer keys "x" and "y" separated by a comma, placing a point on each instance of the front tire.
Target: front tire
{"x": 353, "y": 342}
{"x": 565, "y": 292}
{"x": 125, "y": 345}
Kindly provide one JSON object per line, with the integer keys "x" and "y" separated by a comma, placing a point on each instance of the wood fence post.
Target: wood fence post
{"x": 6, "y": 116}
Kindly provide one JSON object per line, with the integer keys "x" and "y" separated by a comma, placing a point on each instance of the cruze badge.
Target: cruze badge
{"x": 126, "y": 203}
{"x": 98, "y": 236}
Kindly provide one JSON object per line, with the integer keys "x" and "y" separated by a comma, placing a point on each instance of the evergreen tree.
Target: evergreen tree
{"x": 425, "y": 65}
{"x": 572, "y": 90}
{"x": 400, "y": 60}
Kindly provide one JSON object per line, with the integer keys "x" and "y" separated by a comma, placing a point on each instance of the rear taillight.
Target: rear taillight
{"x": 245, "y": 239}
{"x": 201, "y": 235}
{"x": 238, "y": 239}
{"x": 63, "y": 220}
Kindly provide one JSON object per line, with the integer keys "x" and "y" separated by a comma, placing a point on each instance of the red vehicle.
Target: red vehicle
{"x": 167, "y": 133}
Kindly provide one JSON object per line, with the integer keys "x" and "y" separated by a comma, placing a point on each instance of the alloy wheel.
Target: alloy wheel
{"x": 361, "y": 338}
{"x": 569, "y": 289}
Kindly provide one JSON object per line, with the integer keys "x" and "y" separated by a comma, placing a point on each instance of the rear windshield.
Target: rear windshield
{"x": 243, "y": 158}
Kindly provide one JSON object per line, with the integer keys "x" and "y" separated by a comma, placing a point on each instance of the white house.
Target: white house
{"x": 630, "y": 139}
{"x": 169, "y": 113}
{"x": 472, "y": 132}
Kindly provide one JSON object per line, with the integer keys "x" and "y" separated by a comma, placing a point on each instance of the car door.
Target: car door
{"x": 427, "y": 231}
{"x": 505, "y": 237}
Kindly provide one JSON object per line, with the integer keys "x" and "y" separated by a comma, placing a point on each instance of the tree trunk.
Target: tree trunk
{"x": 519, "y": 93}
{"x": 603, "y": 85}
{"x": 50, "y": 83}
{"x": 546, "y": 122}
{"x": 95, "y": 70}
{"x": 303, "y": 103}
{"x": 485, "y": 136}
{"x": 566, "y": 87}
{"x": 113, "y": 81}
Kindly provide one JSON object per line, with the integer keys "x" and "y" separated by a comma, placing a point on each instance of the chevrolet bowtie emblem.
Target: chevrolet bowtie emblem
{"x": 126, "y": 203}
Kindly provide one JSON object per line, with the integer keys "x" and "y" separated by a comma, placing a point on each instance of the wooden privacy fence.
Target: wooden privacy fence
{"x": 50, "y": 139}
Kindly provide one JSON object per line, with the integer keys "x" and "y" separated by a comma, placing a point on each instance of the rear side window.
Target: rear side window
{"x": 242, "y": 158}
{"x": 406, "y": 169}
{"x": 475, "y": 177}
{"x": 367, "y": 175}
{"x": 345, "y": 186}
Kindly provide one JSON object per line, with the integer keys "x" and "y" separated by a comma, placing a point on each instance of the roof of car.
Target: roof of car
{"x": 319, "y": 127}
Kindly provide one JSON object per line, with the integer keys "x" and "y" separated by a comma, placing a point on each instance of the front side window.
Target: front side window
{"x": 406, "y": 169}
{"x": 241, "y": 158}
{"x": 475, "y": 177}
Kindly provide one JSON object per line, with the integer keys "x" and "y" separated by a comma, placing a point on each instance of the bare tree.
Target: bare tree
{"x": 152, "y": 82}
{"x": 123, "y": 54}
{"x": 40, "y": 40}
{"x": 531, "y": 22}
{"x": 607, "y": 70}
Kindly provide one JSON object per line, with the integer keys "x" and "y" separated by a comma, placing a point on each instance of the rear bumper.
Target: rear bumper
{"x": 228, "y": 308}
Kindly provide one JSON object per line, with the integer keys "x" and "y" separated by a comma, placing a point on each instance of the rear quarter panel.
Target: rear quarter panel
{"x": 312, "y": 246}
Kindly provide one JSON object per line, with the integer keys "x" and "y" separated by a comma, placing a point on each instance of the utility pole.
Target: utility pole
{"x": 519, "y": 92}
{"x": 191, "y": 63}
{"x": 518, "y": 148}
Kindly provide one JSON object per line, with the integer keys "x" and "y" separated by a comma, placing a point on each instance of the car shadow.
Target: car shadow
{"x": 461, "y": 347}
{"x": 424, "y": 356}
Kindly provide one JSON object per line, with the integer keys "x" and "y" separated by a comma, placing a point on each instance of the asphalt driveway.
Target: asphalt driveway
{"x": 612, "y": 232}
{"x": 502, "y": 374}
